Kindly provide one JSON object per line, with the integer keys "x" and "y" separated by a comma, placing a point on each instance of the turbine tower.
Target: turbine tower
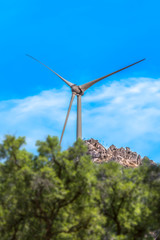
{"x": 79, "y": 91}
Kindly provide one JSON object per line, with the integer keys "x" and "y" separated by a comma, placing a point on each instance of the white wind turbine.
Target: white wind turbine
{"x": 79, "y": 91}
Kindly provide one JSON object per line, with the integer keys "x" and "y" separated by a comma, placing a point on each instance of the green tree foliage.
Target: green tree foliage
{"x": 48, "y": 196}
{"x": 63, "y": 195}
{"x": 129, "y": 200}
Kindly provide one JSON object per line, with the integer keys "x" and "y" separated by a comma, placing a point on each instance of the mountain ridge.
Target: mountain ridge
{"x": 123, "y": 156}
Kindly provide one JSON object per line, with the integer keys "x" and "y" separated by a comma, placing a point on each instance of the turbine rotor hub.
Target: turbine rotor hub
{"x": 77, "y": 90}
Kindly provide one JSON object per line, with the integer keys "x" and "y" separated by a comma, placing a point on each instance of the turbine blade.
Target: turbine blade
{"x": 71, "y": 101}
{"x": 85, "y": 86}
{"x": 67, "y": 82}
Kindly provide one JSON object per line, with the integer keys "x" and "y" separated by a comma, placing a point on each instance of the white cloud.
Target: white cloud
{"x": 125, "y": 113}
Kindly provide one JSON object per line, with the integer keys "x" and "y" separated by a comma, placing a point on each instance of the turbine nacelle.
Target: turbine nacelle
{"x": 77, "y": 90}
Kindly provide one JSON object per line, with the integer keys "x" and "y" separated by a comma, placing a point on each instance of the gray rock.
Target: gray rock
{"x": 124, "y": 156}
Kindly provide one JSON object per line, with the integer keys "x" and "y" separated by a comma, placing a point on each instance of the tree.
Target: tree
{"x": 48, "y": 196}
{"x": 63, "y": 195}
{"x": 128, "y": 201}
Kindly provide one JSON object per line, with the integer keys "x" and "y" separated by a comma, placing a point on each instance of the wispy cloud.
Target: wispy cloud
{"x": 125, "y": 113}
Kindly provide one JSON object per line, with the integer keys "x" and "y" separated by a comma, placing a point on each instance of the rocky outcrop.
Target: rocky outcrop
{"x": 124, "y": 156}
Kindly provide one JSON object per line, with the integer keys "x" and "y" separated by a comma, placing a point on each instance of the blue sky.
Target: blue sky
{"x": 82, "y": 40}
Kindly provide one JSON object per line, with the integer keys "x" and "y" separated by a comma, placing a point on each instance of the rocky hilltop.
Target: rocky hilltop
{"x": 124, "y": 156}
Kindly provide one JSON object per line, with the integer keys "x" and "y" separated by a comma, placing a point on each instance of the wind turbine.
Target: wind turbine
{"x": 79, "y": 91}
